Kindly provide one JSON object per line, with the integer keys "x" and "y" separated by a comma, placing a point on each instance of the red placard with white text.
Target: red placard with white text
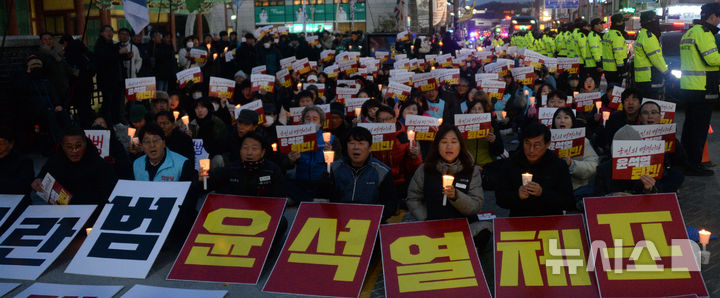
{"x": 425, "y": 81}
{"x": 300, "y": 138}
{"x": 301, "y": 66}
{"x": 449, "y": 76}
{"x": 474, "y": 126}
{"x": 397, "y": 90}
{"x": 184, "y": 77}
{"x": 568, "y": 142}
{"x": 334, "y": 265}
{"x": 431, "y": 259}
{"x": 258, "y": 81}
{"x": 140, "y": 88}
{"x": 424, "y": 127}
{"x": 255, "y": 105}
{"x": 616, "y": 97}
{"x": 221, "y": 88}
{"x": 383, "y": 135}
{"x": 545, "y": 115}
{"x": 494, "y": 89}
{"x": 230, "y": 239}
{"x": 585, "y": 102}
{"x": 632, "y": 159}
{"x": 659, "y": 132}
{"x": 524, "y": 75}
{"x": 569, "y": 65}
{"x": 542, "y": 256}
{"x": 667, "y": 110}
{"x": 641, "y": 247}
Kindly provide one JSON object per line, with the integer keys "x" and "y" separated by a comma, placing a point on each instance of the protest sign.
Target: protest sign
{"x": 8, "y": 203}
{"x": 368, "y": 62}
{"x": 40, "y": 289}
{"x": 327, "y": 56}
{"x": 347, "y": 56}
{"x": 221, "y": 88}
{"x": 332, "y": 71}
{"x": 632, "y": 159}
{"x": 352, "y": 103}
{"x": 6, "y": 287}
{"x": 301, "y": 66}
{"x": 266, "y": 82}
{"x": 473, "y": 126}
{"x": 200, "y": 152}
{"x": 569, "y": 65}
{"x": 532, "y": 253}
{"x": 640, "y": 247}
{"x": 287, "y": 63}
{"x": 198, "y": 55}
{"x": 405, "y": 77}
{"x": 425, "y": 81}
{"x": 255, "y": 105}
{"x": 383, "y": 56}
{"x": 667, "y": 110}
{"x": 585, "y": 102}
{"x": 533, "y": 59}
{"x": 524, "y": 75}
{"x": 402, "y": 36}
{"x": 262, "y": 69}
{"x": 424, "y": 127}
{"x": 328, "y": 268}
{"x": 143, "y": 291}
{"x": 616, "y": 97}
{"x": 320, "y": 88}
{"x": 101, "y": 139}
{"x": 431, "y": 259}
{"x": 659, "y": 132}
{"x": 383, "y": 134}
{"x": 140, "y": 88}
{"x": 184, "y": 77}
{"x": 230, "y": 239}
{"x": 568, "y": 142}
{"x": 494, "y": 89}
{"x": 485, "y": 56}
{"x": 402, "y": 64}
{"x": 479, "y": 77}
{"x": 342, "y": 94}
{"x": 399, "y": 57}
{"x": 230, "y": 55}
{"x": 130, "y": 230}
{"x": 398, "y": 90}
{"x": 551, "y": 64}
{"x": 349, "y": 67}
{"x": 449, "y": 76}
{"x": 52, "y": 192}
{"x": 445, "y": 61}
{"x": 312, "y": 40}
{"x": 300, "y": 138}
{"x": 430, "y": 59}
{"x": 348, "y": 83}
{"x": 283, "y": 77}
{"x": 33, "y": 242}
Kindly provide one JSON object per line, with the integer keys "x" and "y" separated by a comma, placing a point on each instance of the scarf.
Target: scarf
{"x": 252, "y": 166}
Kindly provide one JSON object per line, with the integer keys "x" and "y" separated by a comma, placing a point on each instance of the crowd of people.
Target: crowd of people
{"x": 241, "y": 146}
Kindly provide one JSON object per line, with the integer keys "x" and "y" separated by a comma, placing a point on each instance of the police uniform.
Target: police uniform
{"x": 649, "y": 63}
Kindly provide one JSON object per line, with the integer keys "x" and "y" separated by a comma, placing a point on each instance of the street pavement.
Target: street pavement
{"x": 699, "y": 201}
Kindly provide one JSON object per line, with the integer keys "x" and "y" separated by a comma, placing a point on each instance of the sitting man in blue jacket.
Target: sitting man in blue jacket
{"x": 360, "y": 178}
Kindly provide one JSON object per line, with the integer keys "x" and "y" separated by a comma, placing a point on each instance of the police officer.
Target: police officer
{"x": 594, "y": 59}
{"x": 614, "y": 50}
{"x": 649, "y": 62}
{"x": 549, "y": 43}
{"x": 699, "y": 83}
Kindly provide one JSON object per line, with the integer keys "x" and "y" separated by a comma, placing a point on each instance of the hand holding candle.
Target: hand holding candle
{"x": 274, "y": 147}
{"x": 185, "y": 120}
{"x": 606, "y": 116}
{"x": 204, "y": 168}
{"x": 176, "y": 114}
{"x": 357, "y": 112}
{"x": 447, "y": 180}
{"x": 131, "y": 132}
{"x": 598, "y": 105}
{"x": 329, "y": 156}
{"x": 526, "y": 178}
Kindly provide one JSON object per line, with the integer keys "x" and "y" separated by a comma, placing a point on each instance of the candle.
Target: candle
{"x": 357, "y": 112}
{"x": 606, "y": 116}
{"x": 136, "y": 140}
{"x": 214, "y": 56}
{"x": 380, "y": 87}
{"x": 526, "y": 178}
{"x": 440, "y": 121}
{"x": 299, "y": 85}
{"x": 412, "y": 47}
{"x": 204, "y": 168}
{"x": 504, "y": 114}
{"x": 598, "y": 105}
{"x": 185, "y": 120}
{"x": 131, "y": 132}
{"x": 87, "y": 231}
{"x": 329, "y": 156}
{"x": 432, "y": 68}
{"x": 208, "y": 46}
{"x": 527, "y": 92}
{"x": 225, "y": 50}
{"x": 575, "y": 93}
{"x": 532, "y": 100}
{"x": 411, "y": 135}
{"x": 447, "y": 180}
{"x": 704, "y": 237}
{"x": 274, "y": 146}
{"x": 176, "y": 114}
{"x": 326, "y": 137}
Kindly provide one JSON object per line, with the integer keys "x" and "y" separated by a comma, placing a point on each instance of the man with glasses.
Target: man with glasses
{"x": 79, "y": 169}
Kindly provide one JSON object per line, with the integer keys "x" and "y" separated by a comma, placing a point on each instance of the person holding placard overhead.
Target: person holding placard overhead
{"x": 582, "y": 167}
{"x": 429, "y": 199}
{"x": 534, "y": 180}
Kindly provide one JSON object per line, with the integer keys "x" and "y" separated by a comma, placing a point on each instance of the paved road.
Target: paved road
{"x": 699, "y": 199}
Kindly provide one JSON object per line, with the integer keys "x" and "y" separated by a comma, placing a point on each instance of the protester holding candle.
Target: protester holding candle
{"x": 211, "y": 130}
{"x": 402, "y": 159}
{"x": 604, "y": 184}
{"x": 485, "y": 150}
{"x": 582, "y": 168}
{"x": 629, "y": 115}
{"x": 674, "y": 163}
{"x": 175, "y": 139}
{"x": 449, "y": 156}
{"x": 550, "y": 192}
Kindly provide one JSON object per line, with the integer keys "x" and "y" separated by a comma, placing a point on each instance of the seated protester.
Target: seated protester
{"x": 360, "y": 178}
{"x": 485, "y": 150}
{"x": 339, "y": 126}
{"x": 368, "y": 111}
{"x": 675, "y": 163}
{"x": 16, "y": 171}
{"x": 138, "y": 119}
{"x": 305, "y": 98}
{"x": 591, "y": 120}
{"x": 408, "y": 108}
{"x": 402, "y": 159}
{"x": 310, "y": 166}
{"x": 175, "y": 139}
{"x": 118, "y": 158}
{"x": 247, "y": 122}
{"x": 631, "y": 109}
{"x": 243, "y": 93}
{"x": 174, "y": 104}
{"x": 544, "y": 89}
{"x": 211, "y": 130}
{"x": 252, "y": 174}
{"x": 549, "y": 192}
{"x": 267, "y": 129}
{"x": 556, "y": 99}
{"x": 79, "y": 169}
{"x": 605, "y": 184}
{"x": 161, "y": 164}
{"x": 582, "y": 168}
{"x": 448, "y": 156}
{"x": 160, "y": 103}
{"x": 435, "y": 106}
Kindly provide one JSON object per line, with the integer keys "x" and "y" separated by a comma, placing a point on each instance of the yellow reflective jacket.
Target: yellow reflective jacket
{"x": 648, "y": 54}
{"x": 700, "y": 60}
{"x": 614, "y": 50}
{"x": 594, "y": 50}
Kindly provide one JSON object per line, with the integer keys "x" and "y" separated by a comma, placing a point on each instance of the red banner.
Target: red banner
{"x": 641, "y": 247}
{"x": 531, "y": 257}
{"x": 659, "y": 132}
{"x": 383, "y": 135}
{"x": 336, "y": 263}
{"x": 632, "y": 159}
{"x": 474, "y": 126}
{"x": 667, "y": 110}
{"x": 568, "y": 142}
{"x": 230, "y": 240}
{"x": 300, "y": 138}
{"x": 431, "y": 259}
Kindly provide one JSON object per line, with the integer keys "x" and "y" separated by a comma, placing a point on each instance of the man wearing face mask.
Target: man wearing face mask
{"x": 184, "y": 59}
{"x": 649, "y": 62}
{"x": 269, "y": 55}
{"x": 614, "y": 50}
